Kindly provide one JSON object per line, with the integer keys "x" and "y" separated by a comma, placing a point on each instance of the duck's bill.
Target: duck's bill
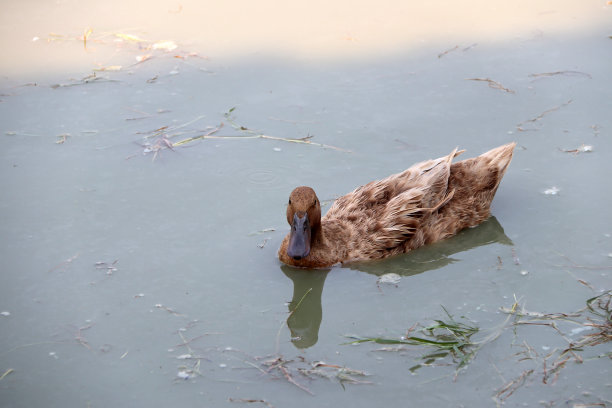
{"x": 299, "y": 238}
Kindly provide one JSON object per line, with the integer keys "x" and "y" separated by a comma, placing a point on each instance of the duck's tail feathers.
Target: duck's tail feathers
{"x": 499, "y": 158}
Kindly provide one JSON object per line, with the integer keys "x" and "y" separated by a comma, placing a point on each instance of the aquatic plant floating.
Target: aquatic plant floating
{"x": 246, "y": 133}
{"x": 443, "y": 337}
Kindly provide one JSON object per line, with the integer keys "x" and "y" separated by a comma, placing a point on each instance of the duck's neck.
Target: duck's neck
{"x": 317, "y": 237}
{"x": 332, "y": 248}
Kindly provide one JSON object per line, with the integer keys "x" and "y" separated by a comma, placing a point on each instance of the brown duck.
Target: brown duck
{"x": 426, "y": 203}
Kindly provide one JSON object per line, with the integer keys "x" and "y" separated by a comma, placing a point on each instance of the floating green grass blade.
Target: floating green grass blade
{"x": 446, "y": 337}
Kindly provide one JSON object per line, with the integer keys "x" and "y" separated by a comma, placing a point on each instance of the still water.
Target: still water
{"x": 139, "y": 259}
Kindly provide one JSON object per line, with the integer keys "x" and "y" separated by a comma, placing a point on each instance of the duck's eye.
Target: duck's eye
{"x": 289, "y": 201}
{"x": 315, "y": 202}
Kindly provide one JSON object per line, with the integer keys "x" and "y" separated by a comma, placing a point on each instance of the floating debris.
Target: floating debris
{"x": 565, "y": 73}
{"x": 164, "y": 45}
{"x": 89, "y": 79}
{"x": 492, "y": 84}
{"x": 167, "y": 309}
{"x": 581, "y": 149}
{"x": 515, "y": 257}
{"x": 7, "y": 372}
{"x": 524, "y": 272}
{"x": 143, "y": 58}
{"x": 507, "y": 390}
{"x": 389, "y": 278}
{"x": 65, "y": 263}
{"x": 61, "y": 139}
{"x": 551, "y": 191}
{"x": 166, "y": 133}
{"x": 5, "y": 314}
{"x": 443, "y": 53}
{"x": 520, "y": 127}
{"x": 594, "y": 318}
{"x": 247, "y": 401}
{"x": 447, "y": 338}
{"x": 184, "y": 374}
{"x": 109, "y": 267}
{"x": 86, "y": 35}
{"x": 112, "y": 68}
{"x": 333, "y": 371}
{"x": 129, "y": 37}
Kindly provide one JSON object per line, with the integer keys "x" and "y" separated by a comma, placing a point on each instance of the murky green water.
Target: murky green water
{"x": 137, "y": 275}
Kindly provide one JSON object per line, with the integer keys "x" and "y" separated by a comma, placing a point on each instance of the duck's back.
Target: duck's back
{"x": 428, "y": 202}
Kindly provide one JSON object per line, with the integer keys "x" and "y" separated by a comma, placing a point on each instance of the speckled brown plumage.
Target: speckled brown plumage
{"x": 428, "y": 202}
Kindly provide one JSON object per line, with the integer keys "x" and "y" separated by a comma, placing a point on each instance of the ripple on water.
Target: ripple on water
{"x": 265, "y": 179}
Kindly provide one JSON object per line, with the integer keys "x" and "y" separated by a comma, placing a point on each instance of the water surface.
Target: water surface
{"x": 137, "y": 275}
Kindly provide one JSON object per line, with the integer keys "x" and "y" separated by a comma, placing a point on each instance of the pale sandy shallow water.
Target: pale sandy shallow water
{"x": 194, "y": 232}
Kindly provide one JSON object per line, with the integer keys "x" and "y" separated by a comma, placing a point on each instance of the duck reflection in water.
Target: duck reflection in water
{"x": 306, "y": 312}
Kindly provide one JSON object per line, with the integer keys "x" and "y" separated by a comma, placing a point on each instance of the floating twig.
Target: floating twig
{"x": 83, "y": 81}
{"x": 566, "y": 73}
{"x": 508, "y": 389}
{"x": 580, "y": 149}
{"x": 66, "y": 262}
{"x": 167, "y": 309}
{"x": 79, "y": 336}
{"x": 165, "y": 133}
{"x": 540, "y": 116}
{"x": 186, "y": 372}
{"x": 443, "y": 53}
{"x": 573, "y": 264}
{"x": 207, "y": 135}
{"x": 7, "y": 372}
{"x": 596, "y": 317}
{"x": 251, "y": 134}
{"x": 261, "y": 401}
{"x": 289, "y": 378}
{"x": 492, "y": 84}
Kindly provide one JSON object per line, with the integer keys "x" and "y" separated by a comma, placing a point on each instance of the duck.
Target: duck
{"x": 426, "y": 203}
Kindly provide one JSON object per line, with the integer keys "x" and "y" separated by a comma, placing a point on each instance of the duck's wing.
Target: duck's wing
{"x": 427, "y": 191}
{"x": 389, "y": 211}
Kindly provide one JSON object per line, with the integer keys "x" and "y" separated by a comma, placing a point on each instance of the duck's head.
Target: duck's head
{"x": 304, "y": 216}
